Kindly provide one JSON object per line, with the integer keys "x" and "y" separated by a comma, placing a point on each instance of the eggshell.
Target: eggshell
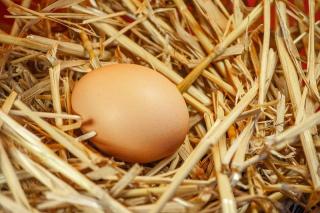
{"x": 138, "y": 114}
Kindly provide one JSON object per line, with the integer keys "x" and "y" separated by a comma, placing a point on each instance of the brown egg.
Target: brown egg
{"x": 138, "y": 114}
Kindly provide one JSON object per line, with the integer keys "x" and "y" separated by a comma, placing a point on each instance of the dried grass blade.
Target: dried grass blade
{"x": 8, "y": 103}
{"x": 299, "y": 128}
{"x": 189, "y": 189}
{"x": 291, "y": 48}
{"x": 227, "y": 200}
{"x": 61, "y": 4}
{"x": 125, "y": 180}
{"x": 94, "y": 60}
{"x": 46, "y": 115}
{"x": 281, "y": 110}
{"x": 204, "y": 40}
{"x": 54, "y": 74}
{"x": 8, "y": 39}
{"x": 63, "y": 46}
{"x": 55, "y": 135}
{"x": 31, "y": 142}
{"x": 155, "y": 34}
{"x": 40, "y": 173}
{"x": 265, "y": 50}
{"x": 220, "y": 48}
{"x": 195, "y": 104}
{"x": 76, "y": 199}
{"x": 211, "y": 138}
{"x": 271, "y": 67}
{"x": 100, "y": 18}
{"x": 216, "y": 18}
{"x": 160, "y": 165}
{"x": 12, "y": 180}
{"x": 239, "y": 156}
{"x": 12, "y": 206}
{"x": 311, "y": 51}
{"x": 295, "y": 96}
{"x": 237, "y": 144}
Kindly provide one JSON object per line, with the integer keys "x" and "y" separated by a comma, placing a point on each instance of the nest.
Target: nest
{"x": 248, "y": 74}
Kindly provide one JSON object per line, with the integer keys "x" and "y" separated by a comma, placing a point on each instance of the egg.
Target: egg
{"x": 138, "y": 114}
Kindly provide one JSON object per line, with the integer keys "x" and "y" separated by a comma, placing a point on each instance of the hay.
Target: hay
{"x": 253, "y": 140}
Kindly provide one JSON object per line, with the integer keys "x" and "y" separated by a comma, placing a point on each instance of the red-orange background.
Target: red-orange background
{"x": 5, "y": 23}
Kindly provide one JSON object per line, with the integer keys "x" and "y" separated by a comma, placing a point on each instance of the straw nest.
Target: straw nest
{"x": 252, "y": 98}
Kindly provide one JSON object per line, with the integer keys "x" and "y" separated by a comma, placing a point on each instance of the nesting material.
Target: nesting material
{"x": 249, "y": 76}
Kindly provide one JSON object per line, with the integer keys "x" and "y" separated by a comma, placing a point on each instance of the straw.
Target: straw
{"x": 295, "y": 96}
{"x": 253, "y": 138}
{"x": 32, "y": 142}
{"x": 219, "y": 149}
{"x": 211, "y": 138}
{"x": 265, "y": 48}
{"x": 12, "y": 180}
{"x": 126, "y": 179}
{"x": 10, "y": 205}
{"x": 219, "y": 48}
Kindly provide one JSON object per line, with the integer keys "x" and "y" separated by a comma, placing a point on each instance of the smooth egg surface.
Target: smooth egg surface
{"x": 138, "y": 114}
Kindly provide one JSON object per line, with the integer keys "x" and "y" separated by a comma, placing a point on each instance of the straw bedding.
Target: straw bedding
{"x": 248, "y": 74}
